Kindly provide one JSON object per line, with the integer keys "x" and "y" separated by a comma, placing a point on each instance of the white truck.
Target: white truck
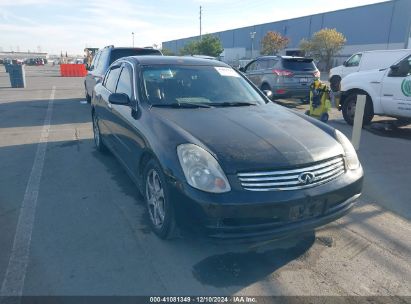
{"x": 365, "y": 61}
{"x": 388, "y": 92}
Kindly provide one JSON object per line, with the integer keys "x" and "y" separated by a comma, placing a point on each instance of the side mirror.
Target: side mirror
{"x": 395, "y": 67}
{"x": 268, "y": 93}
{"x": 345, "y": 63}
{"x": 242, "y": 69}
{"x": 119, "y": 99}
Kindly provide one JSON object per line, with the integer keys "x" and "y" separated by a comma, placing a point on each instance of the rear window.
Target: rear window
{"x": 301, "y": 64}
{"x": 120, "y": 53}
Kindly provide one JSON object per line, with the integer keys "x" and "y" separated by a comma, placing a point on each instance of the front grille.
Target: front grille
{"x": 293, "y": 179}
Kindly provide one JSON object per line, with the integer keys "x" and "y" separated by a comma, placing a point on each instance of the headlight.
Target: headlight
{"x": 350, "y": 154}
{"x": 201, "y": 169}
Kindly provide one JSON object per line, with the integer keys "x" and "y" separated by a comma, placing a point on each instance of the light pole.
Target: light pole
{"x": 252, "y": 35}
{"x": 132, "y": 33}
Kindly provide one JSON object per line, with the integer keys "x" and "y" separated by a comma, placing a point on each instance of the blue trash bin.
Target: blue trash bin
{"x": 17, "y": 76}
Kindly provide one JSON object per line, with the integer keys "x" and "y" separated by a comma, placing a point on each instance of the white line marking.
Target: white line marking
{"x": 13, "y": 282}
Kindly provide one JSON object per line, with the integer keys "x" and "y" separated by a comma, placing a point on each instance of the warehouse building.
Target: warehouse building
{"x": 385, "y": 25}
{"x": 22, "y": 55}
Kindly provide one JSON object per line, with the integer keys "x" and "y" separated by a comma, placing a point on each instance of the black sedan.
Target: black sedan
{"x": 207, "y": 149}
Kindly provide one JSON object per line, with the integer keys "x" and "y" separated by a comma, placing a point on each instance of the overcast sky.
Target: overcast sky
{"x": 71, "y": 25}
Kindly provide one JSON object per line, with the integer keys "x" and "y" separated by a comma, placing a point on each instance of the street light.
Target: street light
{"x": 252, "y": 35}
{"x": 132, "y": 33}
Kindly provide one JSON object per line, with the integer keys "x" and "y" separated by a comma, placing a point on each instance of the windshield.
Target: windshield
{"x": 197, "y": 85}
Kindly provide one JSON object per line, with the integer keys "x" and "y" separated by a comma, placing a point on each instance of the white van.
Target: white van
{"x": 388, "y": 92}
{"x": 365, "y": 61}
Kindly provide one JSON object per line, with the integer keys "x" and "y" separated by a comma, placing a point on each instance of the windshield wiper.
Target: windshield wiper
{"x": 181, "y": 105}
{"x": 231, "y": 104}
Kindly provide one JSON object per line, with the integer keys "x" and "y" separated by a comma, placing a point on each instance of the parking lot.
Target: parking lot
{"x": 86, "y": 226}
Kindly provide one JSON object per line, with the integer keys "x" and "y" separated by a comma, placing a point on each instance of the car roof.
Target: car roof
{"x": 173, "y": 60}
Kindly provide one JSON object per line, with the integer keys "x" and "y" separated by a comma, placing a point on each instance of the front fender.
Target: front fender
{"x": 364, "y": 83}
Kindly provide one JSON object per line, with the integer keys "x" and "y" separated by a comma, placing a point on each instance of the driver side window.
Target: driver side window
{"x": 111, "y": 81}
{"x": 252, "y": 67}
{"x": 353, "y": 61}
{"x": 401, "y": 69}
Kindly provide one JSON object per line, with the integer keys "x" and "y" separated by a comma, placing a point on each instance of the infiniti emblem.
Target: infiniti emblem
{"x": 306, "y": 178}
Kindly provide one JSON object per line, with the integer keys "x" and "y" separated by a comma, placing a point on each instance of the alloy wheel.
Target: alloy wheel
{"x": 155, "y": 198}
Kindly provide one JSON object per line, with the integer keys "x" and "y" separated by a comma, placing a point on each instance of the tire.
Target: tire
{"x": 348, "y": 109}
{"x": 335, "y": 83}
{"x": 159, "y": 208}
{"x": 97, "y": 136}
{"x": 88, "y": 97}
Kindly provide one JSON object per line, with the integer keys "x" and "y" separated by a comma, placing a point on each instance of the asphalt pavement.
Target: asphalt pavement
{"x": 80, "y": 225}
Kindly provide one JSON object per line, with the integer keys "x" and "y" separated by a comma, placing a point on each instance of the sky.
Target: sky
{"x": 56, "y": 26}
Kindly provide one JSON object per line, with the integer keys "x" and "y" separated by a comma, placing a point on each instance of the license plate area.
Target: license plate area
{"x": 304, "y": 80}
{"x": 304, "y": 211}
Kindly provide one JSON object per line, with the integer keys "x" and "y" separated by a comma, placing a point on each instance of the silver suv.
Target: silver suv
{"x": 284, "y": 76}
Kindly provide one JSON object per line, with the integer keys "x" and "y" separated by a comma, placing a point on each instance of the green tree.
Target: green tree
{"x": 324, "y": 45}
{"x": 273, "y": 43}
{"x": 191, "y": 48}
{"x": 209, "y": 45}
{"x": 167, "y": 52}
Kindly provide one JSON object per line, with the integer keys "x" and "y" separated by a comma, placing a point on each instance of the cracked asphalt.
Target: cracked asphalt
{"x": 90, "y": 235}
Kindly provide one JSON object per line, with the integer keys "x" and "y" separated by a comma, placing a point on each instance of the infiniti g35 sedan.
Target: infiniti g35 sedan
{"x": 208, "y": 150}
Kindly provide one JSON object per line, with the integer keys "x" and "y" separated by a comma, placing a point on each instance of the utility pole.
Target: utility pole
{"x": 201, "y": 12}
{"x": 132, "y": 33}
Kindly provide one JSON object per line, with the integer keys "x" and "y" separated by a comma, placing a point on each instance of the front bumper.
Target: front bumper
{"x": 247, "y": 214}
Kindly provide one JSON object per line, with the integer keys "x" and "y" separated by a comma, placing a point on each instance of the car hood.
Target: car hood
{"x": 336, "y": 71}
{"x": 363, "y": 77}
{"x": 253, "y": 137}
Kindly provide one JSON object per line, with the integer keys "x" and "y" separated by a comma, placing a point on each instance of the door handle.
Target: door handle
{"x": 388, "y": 95}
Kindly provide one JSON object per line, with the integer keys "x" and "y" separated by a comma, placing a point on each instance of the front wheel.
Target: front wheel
{"x": 159, "y": 207}
{"x": 348, "y": 109}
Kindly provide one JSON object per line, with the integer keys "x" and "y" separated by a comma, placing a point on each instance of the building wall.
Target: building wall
{"x": 384, "y": 25}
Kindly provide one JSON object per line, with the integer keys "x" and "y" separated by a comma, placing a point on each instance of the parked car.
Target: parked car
{"x": 104, "y": 58}
{"x": 388, "y": 92}
{"x": 285, "y": 76}
{"x": 365, "y": 61}
{"x": 207, "y": 149}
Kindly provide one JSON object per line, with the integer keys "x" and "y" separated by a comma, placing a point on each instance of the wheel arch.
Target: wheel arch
{"x": 354, "y": 91}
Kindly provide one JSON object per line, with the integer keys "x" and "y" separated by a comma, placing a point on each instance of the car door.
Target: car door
{"x": 251, "y": 71}
{"x": 100, "y": 69}
{"x": 122, "y": 115}
{"x": 90, "y": 83}
{"x": 352, "y": 65}
{"x": 396, "y": 89}
{"x": 128, "y": 122}
{"x": 104, "y": 107}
